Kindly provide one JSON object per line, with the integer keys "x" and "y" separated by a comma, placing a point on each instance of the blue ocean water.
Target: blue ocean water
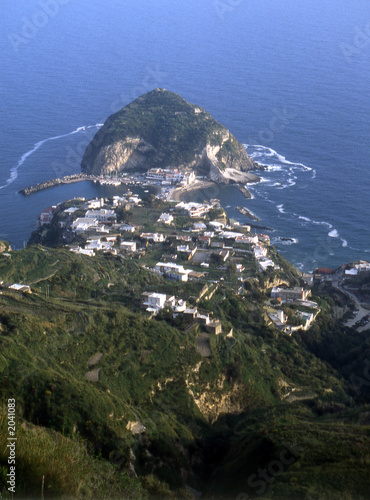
{"x": 289, "y": 79}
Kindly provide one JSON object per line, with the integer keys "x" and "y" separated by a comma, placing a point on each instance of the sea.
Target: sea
{"x": 289, "y": 79}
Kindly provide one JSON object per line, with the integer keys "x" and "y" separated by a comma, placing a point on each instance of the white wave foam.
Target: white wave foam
{"x": 307, "y": 219}
{"x": 269, "y": 153}
{"x": 14, "y": 171}
{"x": 290, "y": 241}
{"x": 275, "y": 168}
{"x": 322, "y": 223}
{"x": 281, "y": 209}
{"x": 333, "y": 234}
{"x": 344, "y": 243}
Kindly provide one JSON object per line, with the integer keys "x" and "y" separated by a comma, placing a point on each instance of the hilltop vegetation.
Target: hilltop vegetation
{"x": 160, "y": 129}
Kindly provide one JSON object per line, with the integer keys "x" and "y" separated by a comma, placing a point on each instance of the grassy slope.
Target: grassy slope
{"x": 46, "y": 344}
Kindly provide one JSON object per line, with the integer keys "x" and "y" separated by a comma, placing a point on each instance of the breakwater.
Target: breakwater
{"x": 68, "y": 179}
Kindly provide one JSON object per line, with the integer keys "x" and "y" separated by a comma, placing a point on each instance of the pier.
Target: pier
{"x": 68, "y": 179}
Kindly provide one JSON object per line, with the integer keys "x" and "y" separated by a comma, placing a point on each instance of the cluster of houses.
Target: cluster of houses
{"x": 155, "y": 302}
{"x": 298, "y": 296}
{"x": 280, "y": 320}
{"x": 362, "y": 266}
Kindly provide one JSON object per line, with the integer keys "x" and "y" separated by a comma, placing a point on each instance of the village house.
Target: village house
{"x": 127, "y": 228}
{"x": 83, "y": 224}
{"x": 128, "y": 246}
{"x": 199, "y": 226}
{"x": 46, "y": 216}
{"x": 193, "y": 209}
{"x": 154, "y": 302}
{"x": 102, "y": 215}
{"x": 217, "y": 226}
{"x": 230, "y": 235}
{"x": 96, "y": 203}
{"x": 172, "y": 271}
{"x": 20, "y": 288}
{"x": 251, "y": 240}
{"x": 166, "y": 218}
{"x": 290, "y": 294}
{"x": 155, "y": 237}
{"x": 83, "y": 251}
{"x": 189, "y": 178}
{"x": 259, "y": 251}
{"x": 265, "y": 263}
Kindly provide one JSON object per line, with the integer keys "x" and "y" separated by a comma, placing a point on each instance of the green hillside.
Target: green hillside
{"x": 133, "y": 399}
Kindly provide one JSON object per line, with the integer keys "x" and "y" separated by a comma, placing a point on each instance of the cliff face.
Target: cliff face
{"x": 160, "y": 129}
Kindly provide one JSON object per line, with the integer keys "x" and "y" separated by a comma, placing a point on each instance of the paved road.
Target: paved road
{"x": 362, "y": 311}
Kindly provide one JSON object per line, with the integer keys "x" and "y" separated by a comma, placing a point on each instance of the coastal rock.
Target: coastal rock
{"x": 162, "y": 130}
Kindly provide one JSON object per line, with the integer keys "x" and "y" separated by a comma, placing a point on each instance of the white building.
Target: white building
{"x": 247, "y": 239}
{"x": 128, "y": 246}
{"x": 188, "y": 179}
{"x": 173, "y": 271}
{"x": 84, "y": 223}
{"x": 199, "y": 226}
{"x": 20, "y": 288}
{"x": 166, "y": 218}
{"x": 217, "y": 226}
{"x": 230, "y": 234}
{"x": 127, "y": 228}
{"x": 183, "y": 248}
{"x": 154, "y": 301}
{"x": 135, "y": 200}
{"x": 83, "y": 251}
{"x": 264, "y": 263}
{"x": 96, "y": 203}
{"x": 259, "y": 252}
{"x": 102, "y": 215}
{"x": 155, "y": 237}
{"x": 194, "y": 209}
